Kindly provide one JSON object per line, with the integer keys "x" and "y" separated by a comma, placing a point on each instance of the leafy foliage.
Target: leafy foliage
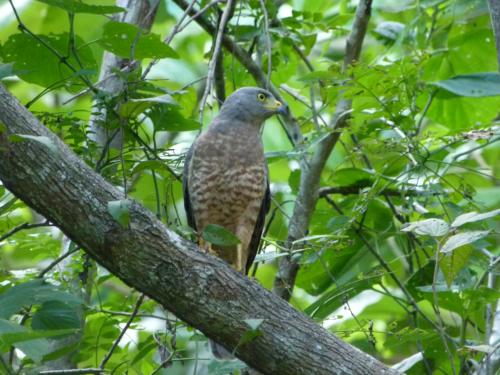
{"x": 398, "y": 253}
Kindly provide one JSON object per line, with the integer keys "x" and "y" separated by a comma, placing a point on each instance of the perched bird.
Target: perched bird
{"x": 225, "y": 178}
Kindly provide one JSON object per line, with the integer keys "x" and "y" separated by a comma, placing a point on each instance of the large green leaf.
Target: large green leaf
{"x": 120, "y": 211}
{"x": 46, "y": 141}
{"x": 220, "y": 236}
{"x": 126, "y": 40}
{"x": 32, "y": 343}
{"x": 56, "y": 315}
{"x": 75, "y": 6}
{"x": 462, "y": 239}
{"x": 35, "y": 63}
{"x": 167, "y": 117}
{"x": 471, "y": 217}
{"x": 32, "y": 293}
{"x": 430, "y": 227}
{"x": 472, "y": 85}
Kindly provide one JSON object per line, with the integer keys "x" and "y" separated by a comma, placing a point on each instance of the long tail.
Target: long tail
{"x": 219, "y": 351}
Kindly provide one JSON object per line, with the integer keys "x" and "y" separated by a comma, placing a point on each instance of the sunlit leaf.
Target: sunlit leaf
{"x": 74, "y": 6}
{"x": 430, "y": 227}
{"x": 127, "y": 40}
{"x": 462, "y": 239}
{"x": 254, "y": 323}
{"x": 36, "y": 63}
{"x": 471, "y": 217}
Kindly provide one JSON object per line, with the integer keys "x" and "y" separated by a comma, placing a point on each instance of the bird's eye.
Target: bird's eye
{"x": 261, "y": 97}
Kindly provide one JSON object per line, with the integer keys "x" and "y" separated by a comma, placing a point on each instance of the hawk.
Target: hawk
{"x": 226, "y": 181}
{"x": 225, "y": 178}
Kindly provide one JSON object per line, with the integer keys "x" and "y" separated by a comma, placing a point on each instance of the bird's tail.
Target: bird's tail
{"x": 219, "y": 351}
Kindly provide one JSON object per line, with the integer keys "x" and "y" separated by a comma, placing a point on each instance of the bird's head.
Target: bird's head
{"x": 252, "y": 104}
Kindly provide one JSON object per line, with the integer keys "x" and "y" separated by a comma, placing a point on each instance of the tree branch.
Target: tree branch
{"x": 198, "y": 288}
{"x": 140, "y": 13}
{"x": 311, "y": 169}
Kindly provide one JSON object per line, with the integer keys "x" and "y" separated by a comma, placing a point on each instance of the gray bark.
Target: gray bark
{"x": 140, "y": 13}
{"x": 198, "y": 288}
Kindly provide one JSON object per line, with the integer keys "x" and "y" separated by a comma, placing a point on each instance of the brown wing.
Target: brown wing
{"x": 185, "y": 175}
{"x": 259, "y": 225}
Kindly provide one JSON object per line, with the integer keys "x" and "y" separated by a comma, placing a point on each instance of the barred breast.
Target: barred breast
{"x": 228, "y": 184}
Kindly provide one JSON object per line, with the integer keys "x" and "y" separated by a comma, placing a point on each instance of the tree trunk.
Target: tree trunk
{"x": 198, "y": 288}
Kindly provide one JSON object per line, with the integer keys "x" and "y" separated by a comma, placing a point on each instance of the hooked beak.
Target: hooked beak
{"x": 276, "y": 106}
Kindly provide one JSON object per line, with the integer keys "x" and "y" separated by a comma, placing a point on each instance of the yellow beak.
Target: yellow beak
{"x": 275, "y": 105}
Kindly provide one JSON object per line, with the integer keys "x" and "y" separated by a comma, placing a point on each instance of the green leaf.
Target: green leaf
{"x": 390, "y": 29}
{"x": 471, "y": 217}
{"x": 253, "y": 323}
{"x": 472, "y": 85}
{"x": 169, "y": 118}
{"x": 294, "y": 181}
{"x": 120, "y": 211}
{"x": 35, "y": 63}
{"x": 225, "y": 367}
{"x": 134, "y": 107}
{"x": 351, "y": 176}
{"x": 73, "y": 6}
{"x": 451, "y": 264}
{"x": 56, "y": 315}
{"x": 248, "y": 336}
{"x": 430, "y": 227}
{"x": 462, "y": 239}
{"x": 409, "y": 335}
{"x": 126, "y": 40}
{"x": 32, "y": 293}
{"x": 34, "y": 349}
{"x": 147, "y": 348}
{"x": 32, "y": 343}
{"x": 6, "y": 70}
{"x": 162, "y": 99}
{"x": 10, "y": 338}
{"x": 220, "y": 236}
{"x": 153, "y": 165}
{"x": 46, "y": 141}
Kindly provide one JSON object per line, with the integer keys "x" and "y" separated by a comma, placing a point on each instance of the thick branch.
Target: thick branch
{"x": 198, "y": 288}
{"x": 312, "y": 169}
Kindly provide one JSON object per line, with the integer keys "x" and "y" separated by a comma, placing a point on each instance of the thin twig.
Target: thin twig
{"x": 291, "y": 124}
{"x": 23, "y": 226}
{"x": 355, "y": 189}
{"x": 73, "y": 371}
{"x": 124, "y": 313}
{"x": 122, "y": 333}
{"x": 6, "y": 366}
{"x": 218, "y": 45}
{"x": 163, "y": 363}
{"x": 268, "y": 42}
{"x": 57, "y": 261}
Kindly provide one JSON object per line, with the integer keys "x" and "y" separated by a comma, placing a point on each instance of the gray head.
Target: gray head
{"x": 252, "y": 104}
